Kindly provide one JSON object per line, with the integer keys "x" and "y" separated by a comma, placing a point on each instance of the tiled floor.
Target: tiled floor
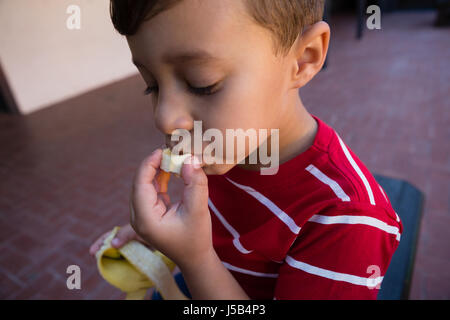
{"x": 65, "y": 171}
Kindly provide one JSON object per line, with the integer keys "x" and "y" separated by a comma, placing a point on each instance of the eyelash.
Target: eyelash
{"x": 205, "y": 91}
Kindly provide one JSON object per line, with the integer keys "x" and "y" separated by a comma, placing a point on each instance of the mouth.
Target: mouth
{"x": 170, "y": 144}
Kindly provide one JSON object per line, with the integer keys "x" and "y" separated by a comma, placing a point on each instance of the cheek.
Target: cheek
{"x": 245, "y": 103}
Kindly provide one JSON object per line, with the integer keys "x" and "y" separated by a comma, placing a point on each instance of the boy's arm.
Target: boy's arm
{"x": 210, "y": 280}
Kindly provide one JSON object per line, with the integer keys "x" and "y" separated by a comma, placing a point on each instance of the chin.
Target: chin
{"x": 218, "y": 169}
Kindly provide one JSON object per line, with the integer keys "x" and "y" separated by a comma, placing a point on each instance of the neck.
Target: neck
{"x": 297, "y": 131}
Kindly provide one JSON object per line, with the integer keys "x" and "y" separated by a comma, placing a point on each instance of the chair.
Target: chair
{"x": 407, "y": 201}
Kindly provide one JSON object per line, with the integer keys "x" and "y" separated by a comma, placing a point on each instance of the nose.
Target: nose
{"x": 171, "y": 116}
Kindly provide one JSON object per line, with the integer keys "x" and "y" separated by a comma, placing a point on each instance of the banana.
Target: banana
{"x": 134, "y": 269}
{"x": 170, "y": 163}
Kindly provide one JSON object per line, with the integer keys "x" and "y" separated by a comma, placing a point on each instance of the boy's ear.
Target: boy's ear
{"x": 310, "y": 51}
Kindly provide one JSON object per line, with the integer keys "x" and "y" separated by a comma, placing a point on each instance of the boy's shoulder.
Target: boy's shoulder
{"x": 335, "y": 180}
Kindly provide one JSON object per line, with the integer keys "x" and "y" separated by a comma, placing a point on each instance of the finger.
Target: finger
{"x": 148, "y": 168}
{"x": 123, "y": 236}
{"x": 97, "y": 244}
{"x": 195, "y": 195}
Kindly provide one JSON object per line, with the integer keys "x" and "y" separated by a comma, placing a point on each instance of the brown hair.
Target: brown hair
{"x": 286, "y": 19}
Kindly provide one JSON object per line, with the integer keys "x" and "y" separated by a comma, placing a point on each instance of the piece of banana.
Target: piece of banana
{"x": 134, "y": 269}
{"x": 172, "y": 162}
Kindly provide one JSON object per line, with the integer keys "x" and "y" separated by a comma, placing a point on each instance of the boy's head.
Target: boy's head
{"x": 228, "y": 63}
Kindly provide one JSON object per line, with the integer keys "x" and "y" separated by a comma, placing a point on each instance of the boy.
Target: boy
{"x": 321, "y": 227}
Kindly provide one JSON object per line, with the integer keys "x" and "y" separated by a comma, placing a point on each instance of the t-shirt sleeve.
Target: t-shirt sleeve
{"x": 339, "y": 255}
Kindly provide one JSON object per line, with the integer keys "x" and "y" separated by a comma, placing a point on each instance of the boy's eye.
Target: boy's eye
{"x": 205, "y": 91}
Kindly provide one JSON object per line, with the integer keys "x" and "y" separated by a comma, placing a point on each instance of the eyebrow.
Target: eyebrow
{"x": 199, "y": 56}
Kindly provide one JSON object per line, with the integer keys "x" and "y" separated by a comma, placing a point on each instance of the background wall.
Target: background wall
{"x": 45, "y": 62}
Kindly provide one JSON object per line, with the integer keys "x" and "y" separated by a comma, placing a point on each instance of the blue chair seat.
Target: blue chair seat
{"x": 407, "y": 201}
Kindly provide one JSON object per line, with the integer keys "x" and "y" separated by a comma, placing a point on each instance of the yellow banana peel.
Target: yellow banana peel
{"x": 134, "y": 269}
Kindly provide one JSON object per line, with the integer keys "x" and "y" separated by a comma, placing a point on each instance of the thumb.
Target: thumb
{"x": 123, "y": 236}
{"x": 195, "y": 195}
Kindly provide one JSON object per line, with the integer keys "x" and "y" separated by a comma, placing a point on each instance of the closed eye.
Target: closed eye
{"x": 205, "y": 91}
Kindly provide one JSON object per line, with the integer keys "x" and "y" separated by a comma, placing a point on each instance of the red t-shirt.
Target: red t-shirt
{"x": 321, "y": 228}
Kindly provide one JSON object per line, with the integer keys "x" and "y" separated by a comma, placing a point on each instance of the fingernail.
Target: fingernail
{"x": 196, "y": 162}
{"x": 115, "y": 242}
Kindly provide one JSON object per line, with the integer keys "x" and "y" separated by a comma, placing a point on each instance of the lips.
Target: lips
{"x": 170, "y": 144}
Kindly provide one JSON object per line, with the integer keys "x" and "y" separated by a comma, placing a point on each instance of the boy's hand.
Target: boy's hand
{"x": 123, "y": 236}
{"x": 182, "y": 231}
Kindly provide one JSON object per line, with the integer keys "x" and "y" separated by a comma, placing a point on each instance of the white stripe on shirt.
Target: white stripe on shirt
{"x": 358, "y": 170}
{"x": 337, "y": 276}
{"x": 250, "y": 272}
{"x": 271, "y": 206}
{"x": 384, "y": 195}
{"x": 328, "y": 181}
{"x": 346, "y": 219}
{"x": 233, "y": 231}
